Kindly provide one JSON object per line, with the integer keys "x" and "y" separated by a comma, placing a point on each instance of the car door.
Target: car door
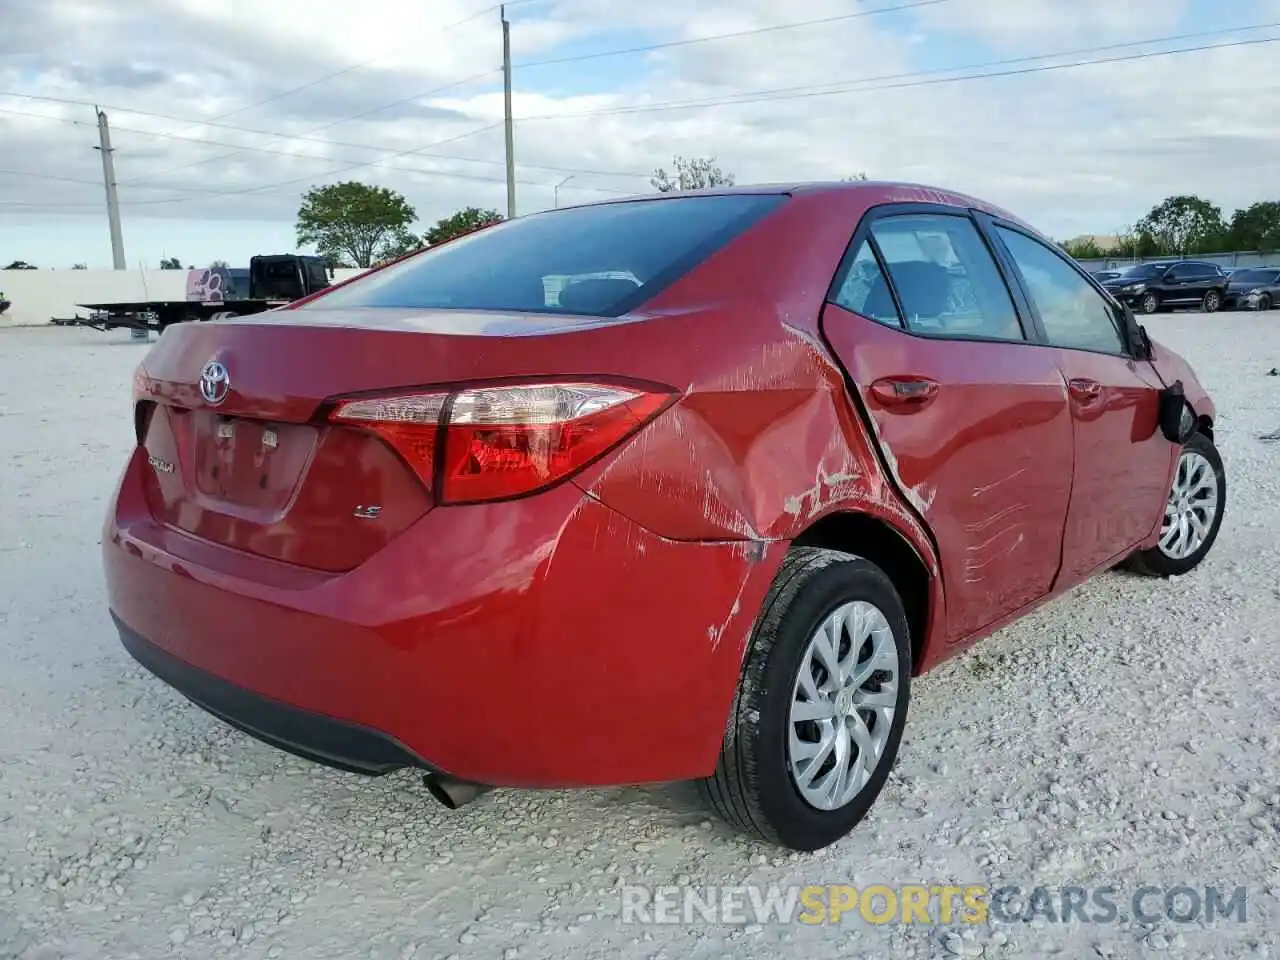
{"x": 971, "y": 416}
{"x": 1173, "y": 285}
{"x": 1123, "y": 463}
{"x": 1201, "y": 278}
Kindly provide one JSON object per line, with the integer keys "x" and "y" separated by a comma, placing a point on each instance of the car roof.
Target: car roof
{"x": 874, "y": 191}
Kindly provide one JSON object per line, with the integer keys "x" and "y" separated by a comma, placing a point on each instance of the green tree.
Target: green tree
{"x": 860, "y": 175}
{"x": 1085, "y": 249}
{"x": 20, "y": 265}
{"x": 217, "y": 264}
{"x": 400, "y": 245}
{"x": 691, "y": 173}
{"x": 353, "y": 221}
{"x": 461, "y": 223}
{"x": 1256, "y": 227}
{"x": 1184, "y": 225}
{"x": 170, "y": 263}
{"x": 79, "y": 266}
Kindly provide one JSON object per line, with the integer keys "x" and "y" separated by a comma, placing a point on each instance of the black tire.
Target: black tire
{"x": 752, "y": 787}
{"x": 1264, "y": 302}
{"x": 1211, "y": 302}
{"x": 1150, "y": 303}
{"x": 1154, "y": 562}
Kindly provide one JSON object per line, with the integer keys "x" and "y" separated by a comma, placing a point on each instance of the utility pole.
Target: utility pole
{"x": 113, "y": 199}
{"x": 506, "y": 83}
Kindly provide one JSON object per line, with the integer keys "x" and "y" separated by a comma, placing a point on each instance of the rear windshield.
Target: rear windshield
{"x": 1253, "y": 276}
{"x": 599, "y": 260}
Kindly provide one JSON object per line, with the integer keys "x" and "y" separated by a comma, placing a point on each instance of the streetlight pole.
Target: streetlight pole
{"x": 559, "y": 185}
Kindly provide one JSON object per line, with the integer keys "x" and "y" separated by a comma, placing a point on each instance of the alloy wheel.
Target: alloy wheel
{"x": 1192, "y": 506}
{"x": 842, "y": 705}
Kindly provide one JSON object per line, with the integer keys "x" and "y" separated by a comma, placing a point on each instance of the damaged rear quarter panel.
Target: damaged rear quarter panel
{"x": 764, "y": 440}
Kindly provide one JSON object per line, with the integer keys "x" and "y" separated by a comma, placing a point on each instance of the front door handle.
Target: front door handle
{"x": 912, "y": 392}
{"x": 1085, "y": 390}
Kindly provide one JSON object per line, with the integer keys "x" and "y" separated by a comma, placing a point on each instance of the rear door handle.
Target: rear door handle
{"x": 1085, "y": 390}
{"x": 912, "y": 392}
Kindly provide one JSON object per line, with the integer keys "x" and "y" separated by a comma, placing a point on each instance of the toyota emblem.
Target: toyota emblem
{"x": 214, "y": 382}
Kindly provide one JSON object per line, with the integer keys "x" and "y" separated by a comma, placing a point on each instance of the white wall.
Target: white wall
{"x": 37, "y": 295}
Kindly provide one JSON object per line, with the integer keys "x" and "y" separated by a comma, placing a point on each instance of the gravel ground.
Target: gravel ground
{"x": 1124, "y": 735}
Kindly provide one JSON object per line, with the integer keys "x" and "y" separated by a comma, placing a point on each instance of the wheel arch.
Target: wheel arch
{"x": 876, "y": 540}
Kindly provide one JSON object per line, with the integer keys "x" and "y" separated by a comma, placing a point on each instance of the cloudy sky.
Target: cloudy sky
{"x": 224, "y": 111}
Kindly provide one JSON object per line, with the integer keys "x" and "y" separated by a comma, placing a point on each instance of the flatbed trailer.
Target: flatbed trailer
{"x": 158, "y": 314}
{"x": 270, "y": 282}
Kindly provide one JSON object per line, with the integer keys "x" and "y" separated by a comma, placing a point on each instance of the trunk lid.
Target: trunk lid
{"x": 252, "y": 464}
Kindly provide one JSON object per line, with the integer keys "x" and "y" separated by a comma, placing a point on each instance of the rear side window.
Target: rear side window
{"x": 600, "y": 260}
{"x": 947, "y": 282}
{"x": 865, "y": 290}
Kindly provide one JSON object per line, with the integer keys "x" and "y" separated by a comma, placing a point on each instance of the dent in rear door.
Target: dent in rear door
{"x": 971, "y": 416}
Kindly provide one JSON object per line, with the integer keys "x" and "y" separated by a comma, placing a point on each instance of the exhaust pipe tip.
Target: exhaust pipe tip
{"x": 453, "y": 794}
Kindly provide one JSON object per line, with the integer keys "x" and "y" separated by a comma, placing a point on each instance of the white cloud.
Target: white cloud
{"x": 1011, "y": 26}
{"x": 1074, "y": 151}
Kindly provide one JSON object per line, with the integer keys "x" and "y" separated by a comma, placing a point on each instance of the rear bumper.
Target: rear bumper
{"x": 542, "y": 642}
{"x": 312, "y": 736}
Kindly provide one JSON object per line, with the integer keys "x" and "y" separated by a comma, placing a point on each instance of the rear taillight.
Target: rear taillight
{"x": 493, "y": 443}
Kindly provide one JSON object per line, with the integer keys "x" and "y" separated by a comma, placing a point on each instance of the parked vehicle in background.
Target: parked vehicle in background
{"x": 1104, "y": 275}
{"x": 1253, "y": 288}
{"x": 1150, "y": 287}
{"x": 270, "y": 281}
{"x": 685, "y": 486}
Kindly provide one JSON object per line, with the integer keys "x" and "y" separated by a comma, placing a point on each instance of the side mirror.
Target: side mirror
{"x": 1177, "y": 418}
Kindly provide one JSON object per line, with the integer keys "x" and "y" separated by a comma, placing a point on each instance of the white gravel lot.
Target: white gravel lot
{"x": 1124, "y": 735}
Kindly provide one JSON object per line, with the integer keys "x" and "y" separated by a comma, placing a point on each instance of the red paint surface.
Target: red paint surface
{"x": 616, "y": 607}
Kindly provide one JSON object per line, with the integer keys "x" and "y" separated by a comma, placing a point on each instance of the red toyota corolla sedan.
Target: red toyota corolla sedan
{"x": 687, "y": 486}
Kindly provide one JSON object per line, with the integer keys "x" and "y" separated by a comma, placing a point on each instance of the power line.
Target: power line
{"x": 843, "y": 86}
{"x": 748, "y": 97}
{"x": 377, "y": 162}
{"x": 275, "y": 135}
{"x": 351, "y": 68}
{"x": 850, "y": 86}
{"x": 214, "y": 122}
{"x": 196, "y": 191}
{"x": 691, "y": 41}
{"x": 261, "y": 190}
{"x": 854, "y": 86}
{"x": 324, "y": 79}
{"x": 307, "y": 133}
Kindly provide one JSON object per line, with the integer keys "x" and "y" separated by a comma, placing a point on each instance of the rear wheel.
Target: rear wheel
{"x": 1264, "y": 302}
{"x": 821, "y": 703}
{"x": 1150, "y": 303}
{"x": 1211, "y": 302}
{"x": 1192, "y": 515}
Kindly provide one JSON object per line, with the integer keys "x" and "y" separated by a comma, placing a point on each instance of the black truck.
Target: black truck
{"x": 271, "y": 281}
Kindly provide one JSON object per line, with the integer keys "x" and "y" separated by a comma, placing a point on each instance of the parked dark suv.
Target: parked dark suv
{"x": 1149, "y": 287}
